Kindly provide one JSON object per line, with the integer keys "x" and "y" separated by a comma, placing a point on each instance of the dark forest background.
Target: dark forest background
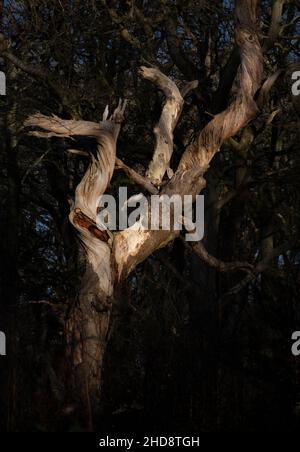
{"x": 195, "y": 350}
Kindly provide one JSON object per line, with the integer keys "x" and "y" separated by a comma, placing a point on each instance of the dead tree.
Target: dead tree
{"x": 111, "y": 257}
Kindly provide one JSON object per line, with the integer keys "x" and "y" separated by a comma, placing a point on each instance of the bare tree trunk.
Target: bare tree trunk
{"x": 87, "y": 332}
{"x": 111, "y": 257}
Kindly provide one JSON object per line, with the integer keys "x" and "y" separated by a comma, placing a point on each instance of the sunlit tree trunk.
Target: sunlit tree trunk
{"x": 111, "y": 257}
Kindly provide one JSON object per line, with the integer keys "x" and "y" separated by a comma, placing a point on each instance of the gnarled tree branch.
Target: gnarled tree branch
{"x": 132, "y": 247}
{"x": 164, "y": 129}
{"x": 199, "y": 154}
{"x": 170, "y": 115}
{"x": 94, "y": 183}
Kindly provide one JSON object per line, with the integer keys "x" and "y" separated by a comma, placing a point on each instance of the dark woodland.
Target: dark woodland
{"x": 133, "y": 332}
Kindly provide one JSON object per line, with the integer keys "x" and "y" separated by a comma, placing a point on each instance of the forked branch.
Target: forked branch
{"x": 132, "y": 247}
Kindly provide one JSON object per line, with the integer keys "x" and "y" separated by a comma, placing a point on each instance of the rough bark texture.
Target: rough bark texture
{"x": 163, "y": 131}
{"x": 109, "y": 260}
{"x": 89, "y": 323}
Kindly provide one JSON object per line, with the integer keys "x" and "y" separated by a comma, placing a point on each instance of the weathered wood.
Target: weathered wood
{"x": 108, "y": 264}
{"x": 132, "y": 247}
{"x": 163, "y": 131}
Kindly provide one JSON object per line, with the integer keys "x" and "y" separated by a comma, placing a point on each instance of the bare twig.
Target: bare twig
{"x": 218, "y": 264}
